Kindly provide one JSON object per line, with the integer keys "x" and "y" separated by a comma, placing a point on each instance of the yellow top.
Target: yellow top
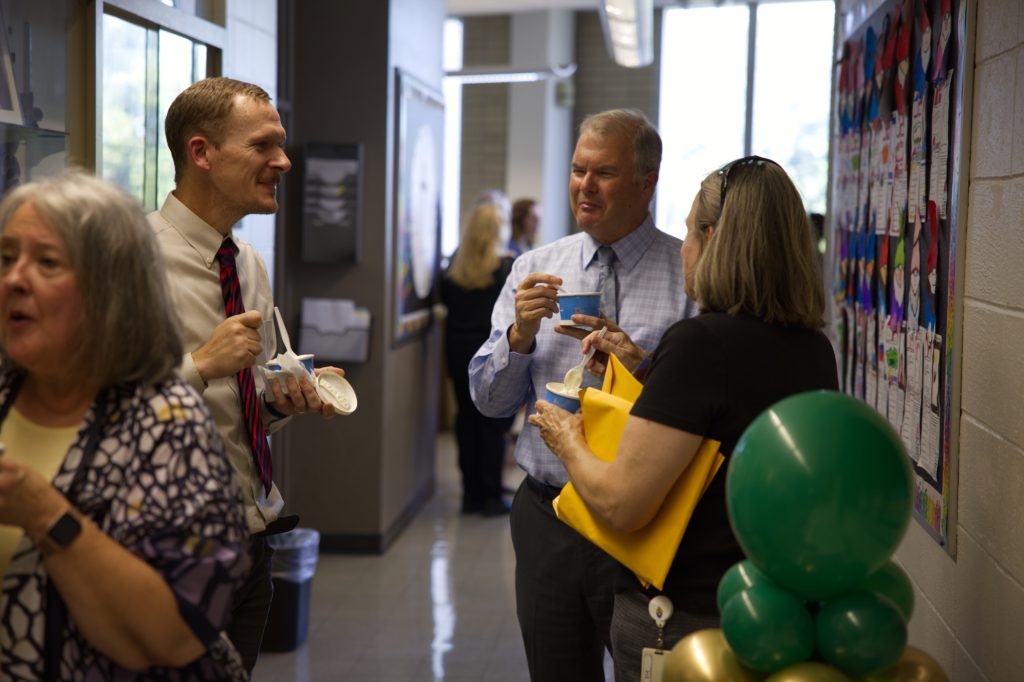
{"x": 40, "y": 447}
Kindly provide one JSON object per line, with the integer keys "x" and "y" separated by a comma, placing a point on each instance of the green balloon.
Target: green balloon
{"x": 742, "y": 575}
{"x": 819, "y": 492}
{"x": 860, "y": 633}
{"x": 768, "y": 628}
{"x": 891, "y": 582}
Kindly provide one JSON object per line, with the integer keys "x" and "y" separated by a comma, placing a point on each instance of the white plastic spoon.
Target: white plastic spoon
{"x": 574, "y": 377}
{"x": 288, "y": 360}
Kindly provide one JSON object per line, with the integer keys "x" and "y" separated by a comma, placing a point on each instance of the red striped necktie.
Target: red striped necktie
{"x": 246, "y": 387}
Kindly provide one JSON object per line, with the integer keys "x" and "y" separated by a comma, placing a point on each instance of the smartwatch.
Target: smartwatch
{"x": 62, "y": 533}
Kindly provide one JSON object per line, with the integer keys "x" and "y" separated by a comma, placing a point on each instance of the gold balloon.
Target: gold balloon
{"x": 808, "y": 672}
{"x": 914, "y": 666}
{"x": 703, "y": 656}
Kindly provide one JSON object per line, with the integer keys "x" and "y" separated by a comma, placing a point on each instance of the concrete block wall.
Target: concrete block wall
{"x": 599, "y": 84}
{"x": 970, "y": 611}
{"x": 602, "y": 84}
{"x": 484, "y": 110}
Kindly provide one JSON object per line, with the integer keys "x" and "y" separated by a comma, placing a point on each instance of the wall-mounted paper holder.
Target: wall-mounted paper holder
{"x": 334, "y": 329}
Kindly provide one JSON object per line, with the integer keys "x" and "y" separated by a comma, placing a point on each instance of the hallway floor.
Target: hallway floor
{"x": 439, "y": 605}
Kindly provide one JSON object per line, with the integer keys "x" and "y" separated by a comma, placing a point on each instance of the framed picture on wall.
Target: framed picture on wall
{"x": 10, "y": 104}
{"x": 417, "y": 216}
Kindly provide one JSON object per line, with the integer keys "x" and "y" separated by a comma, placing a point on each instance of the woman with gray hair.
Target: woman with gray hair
{"x": 121, "y": 536}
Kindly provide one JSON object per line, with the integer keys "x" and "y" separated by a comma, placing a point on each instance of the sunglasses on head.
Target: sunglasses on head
{"x": 723, "y": 172}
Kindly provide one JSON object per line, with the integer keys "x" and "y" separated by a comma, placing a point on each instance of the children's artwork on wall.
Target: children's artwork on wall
{"x": 899, "y": 179}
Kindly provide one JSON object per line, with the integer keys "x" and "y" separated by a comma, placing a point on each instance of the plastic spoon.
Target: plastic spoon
{"x": 574, "y": 377}
{"x": 288, "y": 360}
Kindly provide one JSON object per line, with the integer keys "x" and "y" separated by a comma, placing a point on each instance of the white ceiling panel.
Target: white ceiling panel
{"x": 468, "y": 7}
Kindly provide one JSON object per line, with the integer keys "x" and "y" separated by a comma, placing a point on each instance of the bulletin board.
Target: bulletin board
{"x": 898, "y": 210}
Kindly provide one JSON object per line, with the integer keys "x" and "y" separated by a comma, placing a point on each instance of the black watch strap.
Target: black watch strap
{"x": 62, "y": 533}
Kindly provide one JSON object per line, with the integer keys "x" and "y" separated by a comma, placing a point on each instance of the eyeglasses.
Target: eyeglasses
{"x": 723, "y": 172}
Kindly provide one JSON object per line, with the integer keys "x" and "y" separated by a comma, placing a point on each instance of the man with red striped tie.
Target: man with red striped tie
{"x": 227, "y": 142}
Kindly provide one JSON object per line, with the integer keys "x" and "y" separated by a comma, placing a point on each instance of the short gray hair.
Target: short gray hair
{"x": 131, "y": 332}
{"x": 635, "y": 127}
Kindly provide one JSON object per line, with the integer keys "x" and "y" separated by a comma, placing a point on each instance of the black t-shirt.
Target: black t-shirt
{"x": 469, "y": 316}
{"x": 711, "y": 375}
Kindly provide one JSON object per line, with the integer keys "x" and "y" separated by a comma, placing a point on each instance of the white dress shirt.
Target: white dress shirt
{"x": 648, "y": 268}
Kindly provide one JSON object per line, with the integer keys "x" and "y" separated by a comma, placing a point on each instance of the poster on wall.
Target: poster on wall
{"x": 417, "y": 216}
{"x": 897, "y": 207}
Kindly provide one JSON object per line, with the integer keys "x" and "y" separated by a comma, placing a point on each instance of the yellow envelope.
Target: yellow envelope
{"x": 649, "y": 551}
{"x": 620, "y": 382}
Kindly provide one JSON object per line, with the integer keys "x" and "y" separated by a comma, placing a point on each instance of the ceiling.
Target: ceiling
{"x": 466, "y": 7}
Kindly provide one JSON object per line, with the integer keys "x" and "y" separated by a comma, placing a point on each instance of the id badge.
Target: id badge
{"x": 652, "y": 665}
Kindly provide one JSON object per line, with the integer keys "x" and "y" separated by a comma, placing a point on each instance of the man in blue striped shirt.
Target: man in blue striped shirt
{"x": 564, "y": 585}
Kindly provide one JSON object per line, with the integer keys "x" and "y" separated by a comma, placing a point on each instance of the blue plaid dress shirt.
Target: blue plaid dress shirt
{"x": 650, "y": 297}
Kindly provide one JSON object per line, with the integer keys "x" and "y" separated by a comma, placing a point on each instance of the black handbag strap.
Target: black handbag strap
{"x": 53, "y": 633}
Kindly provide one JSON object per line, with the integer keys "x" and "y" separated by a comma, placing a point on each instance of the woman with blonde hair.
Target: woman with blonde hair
{"x": 749, "y": 261}
{"x": 469, "y": 288}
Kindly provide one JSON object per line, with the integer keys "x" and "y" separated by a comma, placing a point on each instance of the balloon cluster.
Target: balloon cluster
{"x": 819, "y": 493}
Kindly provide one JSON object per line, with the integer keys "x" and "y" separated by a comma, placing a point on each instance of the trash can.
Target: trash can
{"x": 292, "y": 568}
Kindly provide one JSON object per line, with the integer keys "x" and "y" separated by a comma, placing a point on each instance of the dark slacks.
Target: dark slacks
{"x": 252, "y": 604}
{"x": 481, "y": 443}
{"x": 564, "y": 592}
{"x": 633, "y": 629}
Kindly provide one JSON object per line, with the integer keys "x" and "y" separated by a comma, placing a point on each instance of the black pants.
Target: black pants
{"x": 252, "y": 604}
{"x": 481, "y": 443}
{"x": 564, "y": 592}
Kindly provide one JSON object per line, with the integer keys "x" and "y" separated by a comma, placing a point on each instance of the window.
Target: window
{"x": 707, "y": 82}
{"x": 703, "y": 101}
{"x": 452, "y": 89}
{"x": 144, "y": 69}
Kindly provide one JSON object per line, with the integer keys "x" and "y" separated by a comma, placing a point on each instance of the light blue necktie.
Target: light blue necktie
{"x": 607, "y": 284}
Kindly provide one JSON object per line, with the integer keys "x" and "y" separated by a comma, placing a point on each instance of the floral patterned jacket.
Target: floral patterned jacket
{"x": 158, "y": 483}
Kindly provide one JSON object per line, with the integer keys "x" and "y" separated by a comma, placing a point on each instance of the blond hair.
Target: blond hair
{"x": 761, "y": 260}
{"x": 479, "y": 252}
{"x": 203, "y": 109}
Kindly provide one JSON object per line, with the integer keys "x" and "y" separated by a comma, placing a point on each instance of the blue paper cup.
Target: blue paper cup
{"x": 306, "y": 360}
{"x": 585, "y": 303}
{"x": 556, "y": 395}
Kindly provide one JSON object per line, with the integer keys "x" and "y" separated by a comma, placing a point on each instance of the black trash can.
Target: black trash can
{"x": 292, "y": 569}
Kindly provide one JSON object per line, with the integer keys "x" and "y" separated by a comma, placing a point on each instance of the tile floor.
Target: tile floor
{"x": 439, "y": 605}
